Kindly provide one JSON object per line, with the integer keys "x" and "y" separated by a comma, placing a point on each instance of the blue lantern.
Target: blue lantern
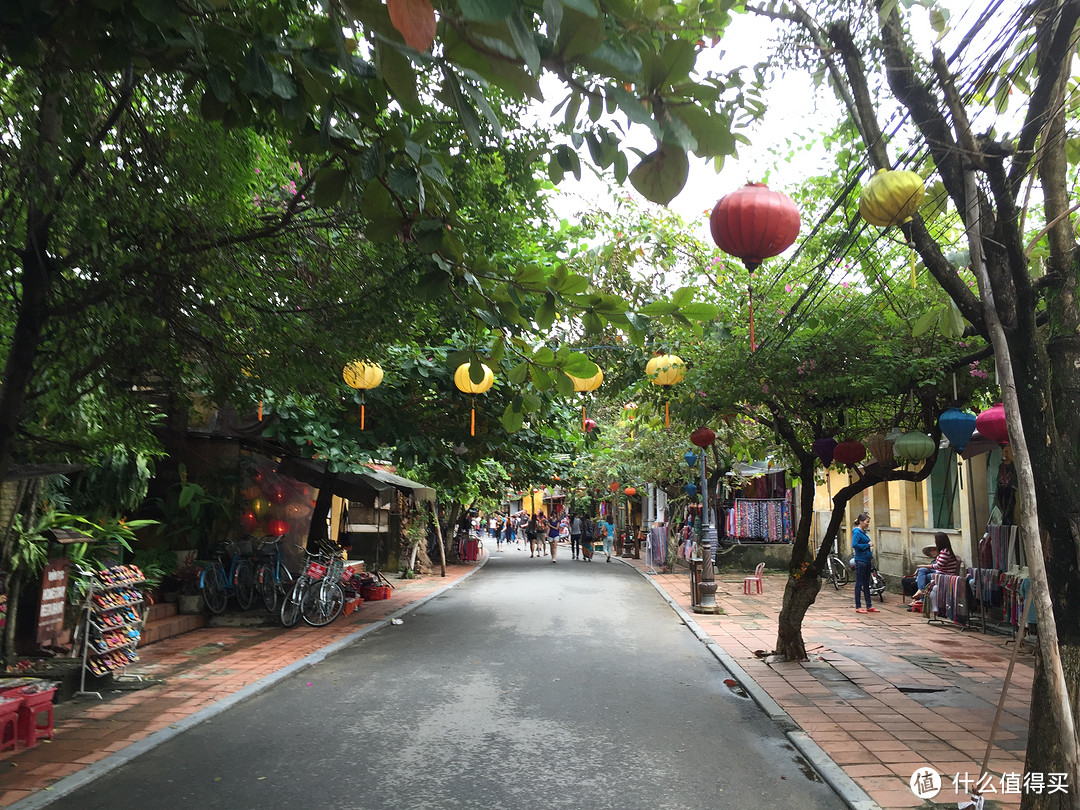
{"x": 690, "y": 459}
{"x": 691, "y": 490}
{"x": 957, "y": 425}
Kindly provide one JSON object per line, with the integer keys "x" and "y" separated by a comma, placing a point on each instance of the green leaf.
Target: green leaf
{"x": 545, "y": 313}
{"x": 658, "y": 308}
{"x": 487, "y": 11}
{"x": 329, "y": 186}
{"x": 530, "y": 402}
{"x": 512, "y": 420}
{"x": 518, "y": 373}
{"x": 701, "y": 311}
{"x": 925, "y": 323}
{"x": 397, "y": 71}
{"x": 662, "y": 175}
{"x": 580, "y": 366}
{"x": 524, "y": 41}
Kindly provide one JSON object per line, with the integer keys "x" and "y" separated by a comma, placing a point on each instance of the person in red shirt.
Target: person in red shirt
{"x": 945, "y": 563}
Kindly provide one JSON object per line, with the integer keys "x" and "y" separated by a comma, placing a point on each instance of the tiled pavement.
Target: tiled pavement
{"x": 882, "y": 694}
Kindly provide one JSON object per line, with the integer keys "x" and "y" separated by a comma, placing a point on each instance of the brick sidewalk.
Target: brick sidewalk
{"x": 200, "y": 669}
{"x": 882, "y": 693}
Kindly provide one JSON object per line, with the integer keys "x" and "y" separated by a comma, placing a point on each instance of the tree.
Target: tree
{"x": 1025, "y": 302}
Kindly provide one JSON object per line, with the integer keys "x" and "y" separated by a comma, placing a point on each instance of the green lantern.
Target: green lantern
{"x": 913, "y": 447}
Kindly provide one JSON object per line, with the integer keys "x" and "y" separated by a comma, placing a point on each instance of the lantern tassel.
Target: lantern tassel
{"x": 472, "y": 421}
{"x": 667, "y": 413}
{"x": 260, "y": 410}
{"x": 911, "y": 261}
{"x": 361, "y": 414}
{"x": 582, "y": 418}
{"x": 753, "y": 345}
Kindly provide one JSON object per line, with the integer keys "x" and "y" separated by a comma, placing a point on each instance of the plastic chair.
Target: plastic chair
{"x": 756, "y": 579}
{"x": 9, "y": 730}
{"x": 30, "y": 726}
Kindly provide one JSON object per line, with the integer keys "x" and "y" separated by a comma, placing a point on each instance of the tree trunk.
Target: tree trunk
{"x": 15, "y": 584}
{"x": 1043, "y": 742}
{"x": 799, "y": 594}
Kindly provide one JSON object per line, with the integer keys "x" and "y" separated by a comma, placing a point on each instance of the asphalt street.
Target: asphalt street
{"x": 530, "y": 685}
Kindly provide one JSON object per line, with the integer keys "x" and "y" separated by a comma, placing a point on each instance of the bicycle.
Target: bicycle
{"x": 217, "y": 585}
{"x": 324, "y": 598}
{"x": 836, "y": 571}
{"x": 311, "y": 570}
{"x": 273, "y": 579}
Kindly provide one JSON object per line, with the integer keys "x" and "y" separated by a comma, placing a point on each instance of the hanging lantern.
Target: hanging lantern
{"x": 278, "y": 527}
{"x": 957, "y": 425}
{"x": 463, "y": 380}
{"x": 630, "y": 492}
{"x": 691, "y": 490}
{"x": 702, "y": 437}
{"x": 754, "y": 224}
{"x": 613, "y": 486}
{"x": 665, "y": 370}
{"x": 690, "y": 459}
{"x": 823, "y": 448}
{"x": 880, "y": 448}
{"x": 991, "y": 423}
{"x": 913, "y": 447}
{"x": 260, "y": 507}
{"x": 589, "y": 425}
{"x": 248, "y": 522}
{"x": 362, "y": 376}
{"x": 849, "y": 453}
{"x": 891, "y": 197}
{"x": 583, "y": 385}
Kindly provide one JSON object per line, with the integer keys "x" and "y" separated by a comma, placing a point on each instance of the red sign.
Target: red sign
{"x": 53, "y": 600}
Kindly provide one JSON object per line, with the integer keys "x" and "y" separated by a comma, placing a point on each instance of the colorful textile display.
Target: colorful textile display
{"x": 948, "y": 598}
{"x": 1000, "y": 548}
{"x": 755, "y": 519}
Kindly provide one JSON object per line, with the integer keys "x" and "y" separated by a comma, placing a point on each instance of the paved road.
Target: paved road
{"x": 530, "y": 685}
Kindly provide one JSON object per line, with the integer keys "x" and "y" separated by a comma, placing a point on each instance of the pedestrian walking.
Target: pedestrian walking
{"x": 532, "y": 532}
{"x": 861, "y": 545}
{"x": 607, "y": 534}
{"x": 588, "y": 530}
{"x": 575, "y": 536}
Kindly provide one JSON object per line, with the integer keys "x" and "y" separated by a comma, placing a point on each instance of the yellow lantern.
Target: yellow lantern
{"x": 584, "y": 385}
{"x": 464, "y": 383}
{"x": 666, "y": 370}
{"x": 361, "y": 375}
{"x": 892, "y": 197}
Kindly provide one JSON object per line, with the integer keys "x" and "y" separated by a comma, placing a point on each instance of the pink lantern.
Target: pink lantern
{"x": 991, "y": 423}
{"x": 849, "y": 453}
{"x": 590, "y": 425}
{"x": 277, "y": 527}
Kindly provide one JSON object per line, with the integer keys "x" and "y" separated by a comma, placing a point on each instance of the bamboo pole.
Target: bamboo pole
{"x": 1039, "y": 593}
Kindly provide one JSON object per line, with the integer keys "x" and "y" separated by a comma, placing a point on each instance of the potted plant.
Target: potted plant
{"x": 190, "y": 600}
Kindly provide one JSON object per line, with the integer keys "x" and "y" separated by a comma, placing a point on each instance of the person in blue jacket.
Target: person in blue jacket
{"x": 860, "y": 544}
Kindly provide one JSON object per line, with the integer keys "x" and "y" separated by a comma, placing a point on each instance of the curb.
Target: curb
{"x": 69, "y": 784}
{"x": 846, "y": 788}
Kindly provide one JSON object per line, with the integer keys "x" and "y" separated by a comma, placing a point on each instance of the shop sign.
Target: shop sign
{"x": 53, "y": 601}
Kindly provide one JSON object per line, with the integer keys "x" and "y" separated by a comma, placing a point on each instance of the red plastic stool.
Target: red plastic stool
{"x": 9, "y": 729}
{"x": 35, "y": 704}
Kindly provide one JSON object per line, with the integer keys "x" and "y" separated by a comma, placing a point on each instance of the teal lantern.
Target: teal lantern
{"x": 691, "y": 490}
{"x": 913, "y": 447}
{"x": 957, "y": 425}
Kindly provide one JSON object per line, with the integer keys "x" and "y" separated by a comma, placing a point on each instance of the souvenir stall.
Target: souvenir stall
{"x": 760, "y": 510}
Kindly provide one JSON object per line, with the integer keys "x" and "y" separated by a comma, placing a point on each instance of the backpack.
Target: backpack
{"x": 586, "y": 529}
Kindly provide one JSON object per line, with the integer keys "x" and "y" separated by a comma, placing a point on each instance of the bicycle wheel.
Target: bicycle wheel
{"x": 212, "y": 584}
{"x": 290, "y": 605}
{"x": 266, "y": 586}
{"x": 322, "y": 604}
{"x": 836, "y": 572}
{"x": 244, "y": 584}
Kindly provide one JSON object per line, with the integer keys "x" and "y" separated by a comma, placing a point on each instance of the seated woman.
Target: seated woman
{"x": 945, "y": 563}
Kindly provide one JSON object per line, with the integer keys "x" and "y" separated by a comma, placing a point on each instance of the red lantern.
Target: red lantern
{"x": 613, "y": 486}
{"x": 703, "y": 437}
{"x": 589, "y": 425}
{"x": 630, "y": 491}
{"x": 248, "y": 522}
{"x": 753, "y": 224}
{"x": 277, "y": 527}
{"x": 991, "y": 423}
{"x": 849, "y": 453}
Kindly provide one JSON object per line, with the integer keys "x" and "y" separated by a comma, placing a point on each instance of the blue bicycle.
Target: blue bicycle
{"x": 272, "y": 577}
{"x": 217, "y": 585}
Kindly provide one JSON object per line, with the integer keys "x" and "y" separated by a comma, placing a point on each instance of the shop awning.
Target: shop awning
{"x": 363, "y": 488}
{"x": 419, "y": 491}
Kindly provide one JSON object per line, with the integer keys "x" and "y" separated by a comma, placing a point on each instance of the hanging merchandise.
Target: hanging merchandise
{"x": 630, "y": 492}
{"x": 362, "y": 376}
{"x": 957, "y": 425}
{"x": 754, "y": 224}
{"x": 584, "y": 385}
{"x": 666, "y": 370}
{"x": 463, "y": 379}
{"x": 702, "y": 437}
{"x": 992, "y": 424}
{"x": 913, "y": 447}
{"x": 880, "y": 448}
{"x": 691, "y": 490}
{"x": 892, "y": 197}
